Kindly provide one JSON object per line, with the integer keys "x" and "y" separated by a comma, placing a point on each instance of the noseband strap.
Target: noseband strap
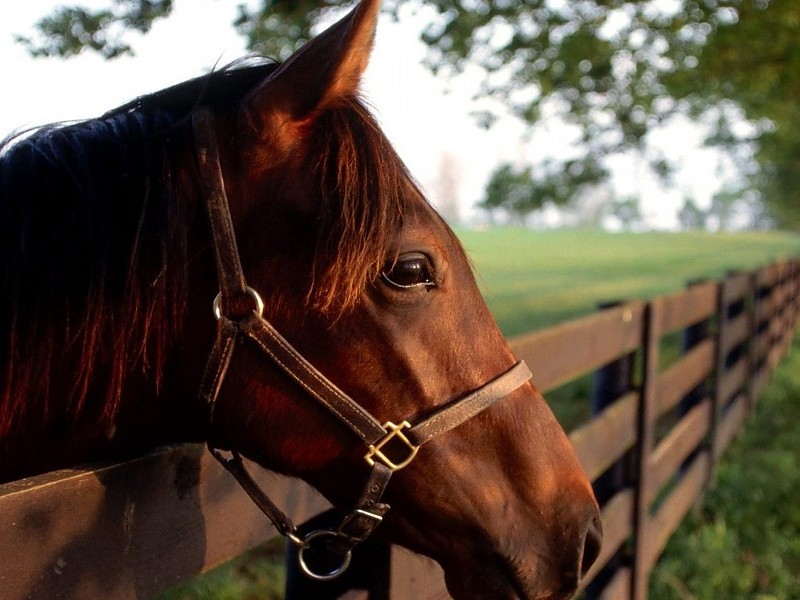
{"x": 390, "y": 446}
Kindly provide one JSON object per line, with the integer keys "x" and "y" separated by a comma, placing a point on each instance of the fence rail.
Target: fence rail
{"x": 675, "y": 379}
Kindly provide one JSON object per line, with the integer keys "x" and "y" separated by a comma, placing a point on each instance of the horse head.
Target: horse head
{"x": 372, "y": 288}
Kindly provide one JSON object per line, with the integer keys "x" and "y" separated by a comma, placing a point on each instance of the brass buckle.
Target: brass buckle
{"x": 395, "y": 431}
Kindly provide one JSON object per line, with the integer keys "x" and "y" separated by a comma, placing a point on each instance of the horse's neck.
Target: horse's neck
{"x": 144, "y": 421}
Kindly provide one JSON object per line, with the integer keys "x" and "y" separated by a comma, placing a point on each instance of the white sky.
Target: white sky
{"x": 422, "y": 120}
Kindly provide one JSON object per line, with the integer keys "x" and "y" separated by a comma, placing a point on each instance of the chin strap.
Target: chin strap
{"x": 390, "y": 447}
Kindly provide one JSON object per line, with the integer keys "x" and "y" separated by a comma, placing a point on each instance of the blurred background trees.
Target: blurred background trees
{"x": 612, "y": 71}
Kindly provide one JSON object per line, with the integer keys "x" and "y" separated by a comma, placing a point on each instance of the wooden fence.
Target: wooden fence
{"x": 674, "y": 381}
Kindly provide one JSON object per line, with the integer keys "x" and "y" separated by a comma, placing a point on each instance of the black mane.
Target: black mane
{"x": 92, "y": 212}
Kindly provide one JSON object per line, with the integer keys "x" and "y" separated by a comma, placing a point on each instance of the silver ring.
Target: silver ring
{"x": 259, "y": 309}
{"x": 322, "y": 576}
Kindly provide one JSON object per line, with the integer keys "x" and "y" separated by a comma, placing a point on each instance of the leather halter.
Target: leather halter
{"x": 404, "y": 437}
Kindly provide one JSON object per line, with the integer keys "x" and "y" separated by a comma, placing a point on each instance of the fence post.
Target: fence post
{"x": 610, "y": 382}
{"x": 692, "y": 336}
{"x": 728, "y": 308}
{"x": 644, "y": 448}
{"x": 761, "y": 335}
{"x": 795, "y": 293}
{"x": 787, "y": 308}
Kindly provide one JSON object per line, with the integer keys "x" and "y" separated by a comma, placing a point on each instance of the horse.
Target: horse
{"x": 371, "y": 356}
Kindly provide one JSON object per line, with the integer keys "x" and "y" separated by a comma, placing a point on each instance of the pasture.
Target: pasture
{"x": 535, "y": 279}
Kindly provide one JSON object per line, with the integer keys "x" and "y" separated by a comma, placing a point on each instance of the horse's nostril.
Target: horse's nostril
{"x": 592, "y": 544}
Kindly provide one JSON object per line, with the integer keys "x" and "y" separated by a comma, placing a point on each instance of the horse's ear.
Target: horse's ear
{"x": 326, "y": 68}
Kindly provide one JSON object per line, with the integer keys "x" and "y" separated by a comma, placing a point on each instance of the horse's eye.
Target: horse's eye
{"x": 410, "y": 270}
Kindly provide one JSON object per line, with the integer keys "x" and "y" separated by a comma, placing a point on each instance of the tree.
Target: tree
{"x": 691, "y": 216}
{"x": 70, "y": 30}
{"x": 513, "y": 190}
{"x": 723, "y": 209}
{"x": 628, "y": 212}
{"x": 274, "y": 28}
{"x": 615, "y": 69}
{"x": 733, "y": 208}
{"x": 752, "y": 58}
{"x": 524, "y": 190}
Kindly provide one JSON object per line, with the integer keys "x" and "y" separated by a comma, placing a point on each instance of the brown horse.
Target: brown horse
{"x": 107, "y": 275}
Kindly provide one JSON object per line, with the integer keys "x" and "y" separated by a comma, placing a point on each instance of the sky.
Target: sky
{"x": 426, "y": 118}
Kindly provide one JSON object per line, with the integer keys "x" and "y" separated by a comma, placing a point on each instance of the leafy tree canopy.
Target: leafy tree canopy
{"x": 615, "y": 69}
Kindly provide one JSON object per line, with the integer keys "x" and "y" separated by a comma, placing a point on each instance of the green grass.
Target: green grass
{"x": 743, "y": 543}
{"x": 534, "y": 279}
{"x": 256, "y": 575}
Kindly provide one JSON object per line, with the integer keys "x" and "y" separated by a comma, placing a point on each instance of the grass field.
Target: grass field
{"x": 535, "y": 279}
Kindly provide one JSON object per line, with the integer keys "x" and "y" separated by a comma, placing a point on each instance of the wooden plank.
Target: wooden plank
{"x": 690, "y": 306}
{"x": 735, "y": 332}
{"x": 562, "y": 353}
{"x": 768, "y": 275}
{"x": 766, "y": 307}
{"x": 619, "y": 588}
{"x": 675, "y": 507}
{"x": 415, "y": 576}
{"x": 617, "y": 524}
{"x": 781, "y": 293}
{"x": 354, "y": 595}
{"x": 604, "y": 439}
{"x": 738, "y": 286}
{"x": 730, "y": 424}
{"x": 617, "y": 528}
{"x": 681, "y": 441}
{"x": 733, "y": 380}
{"x": 132, "y": 530}
{"x": 685, "y": 375}
{"x": 761, "y": 345}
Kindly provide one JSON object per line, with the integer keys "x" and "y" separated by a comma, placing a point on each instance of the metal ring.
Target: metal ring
{"x": 259, "y": 309}
{"x": 322, "y": 576}
{"x": 296, "y": 540}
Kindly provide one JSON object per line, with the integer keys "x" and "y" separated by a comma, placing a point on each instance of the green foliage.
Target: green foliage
{"x": 744, "y": 542}
{"x": 628, "y": 212}
{"x": 691, "y": 216}
{"x": 616, "y": 70}
{"x": 276, "y": 28}
{"x": 752, "y": 57}
{"x": 523, "y": 190}
{"x": 69, "y": 30}
{"x": 512, "y": 189}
